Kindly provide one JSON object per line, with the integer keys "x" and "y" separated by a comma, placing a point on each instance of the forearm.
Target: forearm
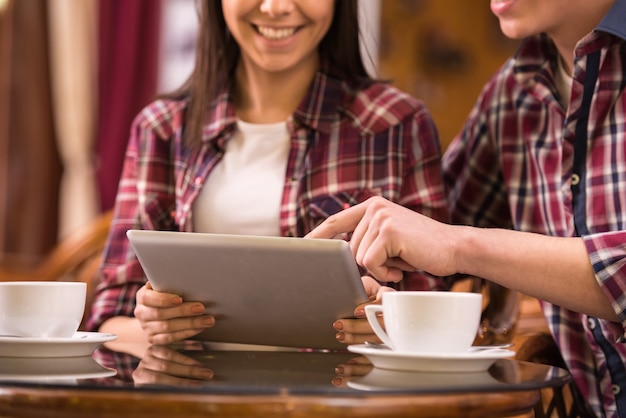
{"x": 553, "y": 269}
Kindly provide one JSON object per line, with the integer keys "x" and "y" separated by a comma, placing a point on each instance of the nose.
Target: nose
{"x": 276, "y": 8}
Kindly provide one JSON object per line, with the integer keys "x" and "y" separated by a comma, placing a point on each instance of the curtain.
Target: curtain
{"x": 31, "y": 168}
{"x": 128, "y": 61}
{"x": 73, "y": 73}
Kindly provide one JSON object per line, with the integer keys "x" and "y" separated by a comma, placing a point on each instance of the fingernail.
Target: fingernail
{"x": 340, "y": 336}
{"x": 208, "y": 321}
{"x": 359, "y": 313}
{"x": 339, "y": 370}
{"x": 177, "y": 300}
{"x": 198, "y": 309}
{"x": 338, "y": 326}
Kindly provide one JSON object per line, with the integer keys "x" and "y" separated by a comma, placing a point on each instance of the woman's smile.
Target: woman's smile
{"x": 275, "y": 34}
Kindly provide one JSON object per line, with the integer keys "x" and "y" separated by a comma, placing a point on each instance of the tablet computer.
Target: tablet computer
{"x": 262, "y": 290}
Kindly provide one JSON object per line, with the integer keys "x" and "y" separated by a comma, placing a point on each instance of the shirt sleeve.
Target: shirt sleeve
{"x": 473, "y": 174}
{"x": 145, "y": 200}
{"x": 607, "y": 253}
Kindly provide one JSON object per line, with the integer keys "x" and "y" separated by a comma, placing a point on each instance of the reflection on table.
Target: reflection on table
{"x": 191, "y": 379}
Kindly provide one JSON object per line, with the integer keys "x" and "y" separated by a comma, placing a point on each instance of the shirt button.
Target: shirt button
{"x": 575, "y": 179}
{"x": 198, "y": 181}
{"x": 616, "y": 389}
{"x": 591, "y": 323}
{"x": 289, "y": 234}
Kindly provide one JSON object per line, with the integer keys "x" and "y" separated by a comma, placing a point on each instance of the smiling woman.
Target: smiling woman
{"x": 278, "y": 127}
{"x": 180, "y": 25}
{"x": 278, "y": 49}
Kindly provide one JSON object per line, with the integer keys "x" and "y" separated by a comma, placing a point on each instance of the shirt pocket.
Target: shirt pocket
{"x": 159, "y": 213}
{"x": 319, "y": 208}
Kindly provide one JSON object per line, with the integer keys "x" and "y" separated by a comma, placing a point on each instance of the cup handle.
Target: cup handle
{"x": 370, "y": 314}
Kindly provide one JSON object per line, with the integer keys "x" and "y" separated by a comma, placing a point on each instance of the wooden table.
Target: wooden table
{"x": 170, "y": 383}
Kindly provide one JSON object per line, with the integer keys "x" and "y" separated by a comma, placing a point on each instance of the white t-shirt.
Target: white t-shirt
{"x": 243, "y": 193}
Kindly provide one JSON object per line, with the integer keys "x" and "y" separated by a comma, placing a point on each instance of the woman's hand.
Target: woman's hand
{"x": 355, "y": 367}
{"x": 162, "y": 365}
{"x": 166, "y": 318}
{"x": 357, "y": 331}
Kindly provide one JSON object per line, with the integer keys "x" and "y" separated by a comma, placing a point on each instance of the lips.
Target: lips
{"x": 499, "y": 7}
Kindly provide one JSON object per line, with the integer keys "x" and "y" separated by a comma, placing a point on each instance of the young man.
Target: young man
{"x": 539, "y": 172}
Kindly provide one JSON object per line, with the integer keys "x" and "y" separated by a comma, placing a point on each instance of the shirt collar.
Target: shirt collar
{"x": 322, "y": 103}
{"x": 534, "y": 66}
{"x": 535, "y": 62}
{"x": 220, "y": 118}
{"x": 318, "y": 110}
{"x": 613, "y": 21}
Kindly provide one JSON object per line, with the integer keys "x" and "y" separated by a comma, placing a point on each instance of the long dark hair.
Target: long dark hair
{"x": 217, "y": 54}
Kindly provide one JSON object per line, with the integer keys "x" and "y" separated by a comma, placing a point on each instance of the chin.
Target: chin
{"x": 514, "y": 30}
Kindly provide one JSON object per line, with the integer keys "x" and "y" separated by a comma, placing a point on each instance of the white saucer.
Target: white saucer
{"x": 81, "y": 344}
{"x": 385, "y": 379}
{"x": 53, "y": 370}
{"x": 477, "y": 361}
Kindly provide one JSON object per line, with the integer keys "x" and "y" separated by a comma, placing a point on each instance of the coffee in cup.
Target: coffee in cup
{"x": 41, "y": 309}
{"x": 427, "y": 321}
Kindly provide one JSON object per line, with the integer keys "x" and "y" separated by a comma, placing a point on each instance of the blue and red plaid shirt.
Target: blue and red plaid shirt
{"x": 511, "y": 167}
{"x": 346, "y": 146}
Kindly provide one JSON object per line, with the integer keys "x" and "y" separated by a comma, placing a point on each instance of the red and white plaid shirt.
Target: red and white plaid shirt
{"x": 346, "y": 146}
{"x": 511, "y": 167}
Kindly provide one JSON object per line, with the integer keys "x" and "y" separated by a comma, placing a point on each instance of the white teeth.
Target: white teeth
{"x": 276, "y": 34}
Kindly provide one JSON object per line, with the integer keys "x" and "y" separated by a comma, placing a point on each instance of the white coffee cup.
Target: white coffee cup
{"x": 427, "y": 321}
{"x": 41, "y": 309}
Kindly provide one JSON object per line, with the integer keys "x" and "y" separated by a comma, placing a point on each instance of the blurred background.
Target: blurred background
{"x": 74, "y": 73}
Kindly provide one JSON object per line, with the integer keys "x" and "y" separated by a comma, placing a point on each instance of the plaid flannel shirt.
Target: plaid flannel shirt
{"x": 511, "y": 167}
{"x": 346, "y": 146}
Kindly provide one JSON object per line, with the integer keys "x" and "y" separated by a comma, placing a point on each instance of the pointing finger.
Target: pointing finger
{"x": 342, "y": 222}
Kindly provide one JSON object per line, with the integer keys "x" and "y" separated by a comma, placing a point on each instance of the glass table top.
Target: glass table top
{"x": 195, "y": 367}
